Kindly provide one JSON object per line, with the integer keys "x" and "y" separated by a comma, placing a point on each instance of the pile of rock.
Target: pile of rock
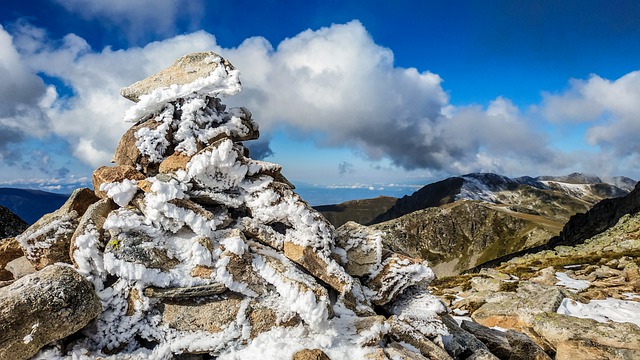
{"x": 189, "y": 246}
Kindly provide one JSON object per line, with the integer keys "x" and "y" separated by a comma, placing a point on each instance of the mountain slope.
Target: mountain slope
{"x": 10, "y": 223}
{"x": 30, "y": 205}
{"x": 476, "y": 218}
{"x": 360, "y": 211}
{"x": 499, "y": 189}
{"x": 459, "y": 236}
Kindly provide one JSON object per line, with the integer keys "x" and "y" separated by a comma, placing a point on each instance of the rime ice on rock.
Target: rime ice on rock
{"x": 197, "y": 248}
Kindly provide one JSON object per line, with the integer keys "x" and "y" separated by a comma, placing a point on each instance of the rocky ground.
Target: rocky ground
{"x": 576, "y": 302}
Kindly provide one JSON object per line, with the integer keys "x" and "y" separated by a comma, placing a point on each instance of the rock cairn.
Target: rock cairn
{"x": 192, "y": 247}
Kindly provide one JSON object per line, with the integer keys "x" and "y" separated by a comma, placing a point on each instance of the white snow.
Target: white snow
{"x": 474, "y": 189}
{"x": 603, "y": 310}
{"x": 219, "y": 82}
{"x": 571, "y": 284}
{"x": 121, "y": 192}
{"x": 35, "y": 239}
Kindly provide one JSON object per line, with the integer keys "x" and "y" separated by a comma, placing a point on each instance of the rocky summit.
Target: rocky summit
{"x": 188, "y": 248}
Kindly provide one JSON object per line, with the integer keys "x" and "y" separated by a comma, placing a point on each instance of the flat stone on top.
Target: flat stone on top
{"x": 185, "y": 70}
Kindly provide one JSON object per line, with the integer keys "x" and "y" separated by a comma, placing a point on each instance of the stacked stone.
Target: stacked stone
{"x": 194, "y": 247}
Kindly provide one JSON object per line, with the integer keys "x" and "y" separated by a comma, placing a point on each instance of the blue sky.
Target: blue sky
{"x": 353, "y": 97}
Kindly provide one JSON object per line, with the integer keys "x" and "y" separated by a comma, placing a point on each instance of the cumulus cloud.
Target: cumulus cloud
{"x": 91, "y": 118}
{"x": 334, "y": 84}
{"x": 21, "y": 92}
{"x": 609, "y": 108}
{"x": 137, "y": 18}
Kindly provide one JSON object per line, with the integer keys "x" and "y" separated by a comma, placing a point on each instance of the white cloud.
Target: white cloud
{"x": 20, "y": 91}
{"x": 335, "y": 81}
{"x": 91, "y": 119}
{"x": 610, "y": 108}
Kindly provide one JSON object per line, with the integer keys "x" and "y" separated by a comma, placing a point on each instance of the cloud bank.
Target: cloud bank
{"x": 335, "y": 85}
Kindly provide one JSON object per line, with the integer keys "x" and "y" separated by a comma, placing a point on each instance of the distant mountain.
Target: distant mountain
{"x": 582, "y": 226}
{"x": 30, "y": 205}
{"x": 462, "y": 222}
{"x": 360, "y": 211}
{"x": 600, "y": 217}
{"x": 581, "y": 190}
{"x": 460, "y": 235}
{"x": 10, "y": 224}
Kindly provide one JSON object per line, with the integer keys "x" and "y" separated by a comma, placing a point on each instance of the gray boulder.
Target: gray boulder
{"x": 44, "y": 307}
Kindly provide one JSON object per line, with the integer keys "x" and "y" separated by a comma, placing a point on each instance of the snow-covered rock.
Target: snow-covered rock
{"x": 197, "y": 248}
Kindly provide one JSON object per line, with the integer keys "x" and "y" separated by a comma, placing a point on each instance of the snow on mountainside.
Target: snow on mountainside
{"x": 524, "y": 193}
{"x": 485, "y": 186}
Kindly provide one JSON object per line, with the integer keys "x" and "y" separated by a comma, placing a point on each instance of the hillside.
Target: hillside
{"x": 578, "y": 298}
{"x": 486, "y": 216}
{"x": 10, "y": 223}
{"x": 30, "y": 205}
{"x": 577, "y": 194}
{"x": 361, "y": 211}
{"x": 461, "y": 235}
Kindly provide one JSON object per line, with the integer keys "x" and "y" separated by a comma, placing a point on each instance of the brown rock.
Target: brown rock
{"x": 306, "y": 354}
{"x": 376, "y": 354}
{"x": 363, "y": 246}
{"x": 398, "y": 273}
{"x": 275, "y": 266}
{"x": 44, "y": 307}
{"x": 397, "y": 351}
{"x": 128, "y": 154}
{"x": 318, "y": 266}
{"x": 210, "y": 314}
{"x": 589, "y": 350}
{"x": 403, "y": 332}
{"x": 110, "y": 174}
{"x": 262, "y": 233}
{"x": 185, "y": 70}
{"x": 48, "y": 240}
{"x": 366, "y": 326}
{"x": 144, "y": 185}
{"x": 92, "y": 220}
{"x": 202, "y": 271}
{"x": 6, "y": 275}
{"x": 79, "y": 201}
{"x": 174, "y": 162}
{"x": 557, "y": 328}
{"x": 356, "y": 300}
{"x": 263, "y": 318}
{"x": 20, "y": 267}
{"x": 9, "y": 250}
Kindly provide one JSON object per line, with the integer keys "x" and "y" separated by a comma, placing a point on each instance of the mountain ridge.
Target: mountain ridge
{"x": 30, "y": 204}
{"x": 485, "y": 186}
